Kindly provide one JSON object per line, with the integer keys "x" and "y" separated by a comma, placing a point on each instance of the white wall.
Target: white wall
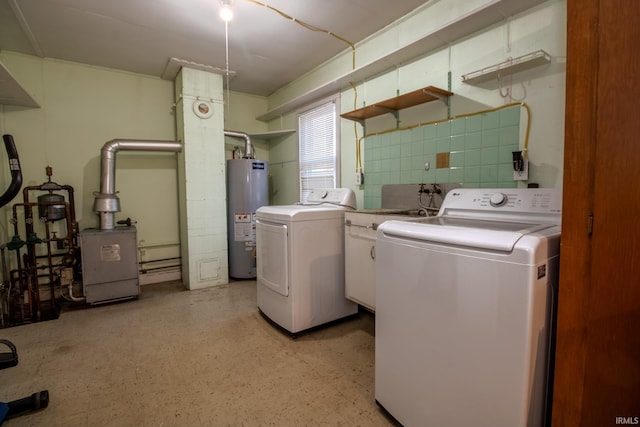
{"x": 201, "y": 170}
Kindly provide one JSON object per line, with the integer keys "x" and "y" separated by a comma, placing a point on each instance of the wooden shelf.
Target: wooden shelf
{"x": 272, "y": 134}
{"x": 11, "y": 93}
{"x": 393, "y": 105}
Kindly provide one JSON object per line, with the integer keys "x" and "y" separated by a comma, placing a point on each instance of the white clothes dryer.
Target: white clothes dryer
{"x": 465, "y": 308}
{"x": 300, "y": 260}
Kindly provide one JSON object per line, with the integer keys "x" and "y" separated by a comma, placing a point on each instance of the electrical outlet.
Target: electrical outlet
{"x": 524, "y": 174}
{"x": 359, "y": 178}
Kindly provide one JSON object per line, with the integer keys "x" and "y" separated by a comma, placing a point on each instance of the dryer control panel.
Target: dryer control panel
{"x": 337, "y": 196}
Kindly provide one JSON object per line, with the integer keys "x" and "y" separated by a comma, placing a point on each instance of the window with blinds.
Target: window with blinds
{"x": 318, "y": 144}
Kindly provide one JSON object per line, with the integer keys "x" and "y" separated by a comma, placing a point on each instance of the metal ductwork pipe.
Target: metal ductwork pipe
{"x": 248, "y": 148}
{"x": 106, "y": 203}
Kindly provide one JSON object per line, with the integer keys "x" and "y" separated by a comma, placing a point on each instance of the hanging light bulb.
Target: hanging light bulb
{"x": 226, "y": 13}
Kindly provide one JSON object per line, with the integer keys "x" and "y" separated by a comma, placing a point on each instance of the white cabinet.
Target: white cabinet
{"x": 359, "y": 241}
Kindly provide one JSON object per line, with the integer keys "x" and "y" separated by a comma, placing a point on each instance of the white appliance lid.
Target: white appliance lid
{"x": 321, "y": 203}
{"x": 300, "y": 212}
{"x": 475, "y": 233}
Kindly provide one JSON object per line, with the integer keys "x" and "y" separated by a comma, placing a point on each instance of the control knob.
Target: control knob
{"x": 498, "y": 199}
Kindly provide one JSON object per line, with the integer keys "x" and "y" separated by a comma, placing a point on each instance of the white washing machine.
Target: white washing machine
{"x": 300, "y": 260}
{"x": 465, "y": 306}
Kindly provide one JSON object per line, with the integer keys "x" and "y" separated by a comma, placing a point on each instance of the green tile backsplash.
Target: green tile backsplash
{"x": 480, "y": 149}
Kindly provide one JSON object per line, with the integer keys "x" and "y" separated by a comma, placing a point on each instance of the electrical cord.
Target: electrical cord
{"x": 311, "y": 28}
{"x": 355, "y": 130}
{"x": 353, "y": 64}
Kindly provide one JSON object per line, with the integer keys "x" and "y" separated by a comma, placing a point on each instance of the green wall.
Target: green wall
{"x": 82, "y": 107}
{"x": 542, "y": 89}
{"x": 479, "y": 150}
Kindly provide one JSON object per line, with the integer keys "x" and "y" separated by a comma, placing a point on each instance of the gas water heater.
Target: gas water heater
{"x": 247, "y": 190}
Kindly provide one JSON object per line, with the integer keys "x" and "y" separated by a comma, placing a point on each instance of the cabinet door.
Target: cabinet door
{"x": 360, "y": 283}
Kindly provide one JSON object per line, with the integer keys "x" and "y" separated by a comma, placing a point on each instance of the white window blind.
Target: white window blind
{"x": 318, "y": 148}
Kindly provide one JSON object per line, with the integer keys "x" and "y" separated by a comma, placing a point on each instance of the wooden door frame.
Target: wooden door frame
{"x": 597, "y": 364}
{"x": 577, "y": 205}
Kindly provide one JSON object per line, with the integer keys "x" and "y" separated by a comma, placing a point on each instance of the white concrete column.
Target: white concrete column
{"x": 201, "y": 175}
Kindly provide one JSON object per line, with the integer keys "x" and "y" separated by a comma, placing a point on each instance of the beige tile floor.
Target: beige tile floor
{"x": 192, "y": 358}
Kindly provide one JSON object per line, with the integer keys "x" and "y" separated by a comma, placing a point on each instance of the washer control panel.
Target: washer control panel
{"x": 509, "y": 200}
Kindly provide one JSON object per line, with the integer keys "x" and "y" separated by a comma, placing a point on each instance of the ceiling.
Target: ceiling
{"x": 266, "y": 50}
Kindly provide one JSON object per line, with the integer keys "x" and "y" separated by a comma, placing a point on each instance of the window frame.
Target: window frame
{"x": 335, "y": 99}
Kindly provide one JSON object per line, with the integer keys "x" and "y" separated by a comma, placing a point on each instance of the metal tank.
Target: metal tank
{"x": 247, "y": 190}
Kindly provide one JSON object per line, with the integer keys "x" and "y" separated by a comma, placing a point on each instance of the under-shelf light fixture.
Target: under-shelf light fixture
{"x": 510, "y": 66}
